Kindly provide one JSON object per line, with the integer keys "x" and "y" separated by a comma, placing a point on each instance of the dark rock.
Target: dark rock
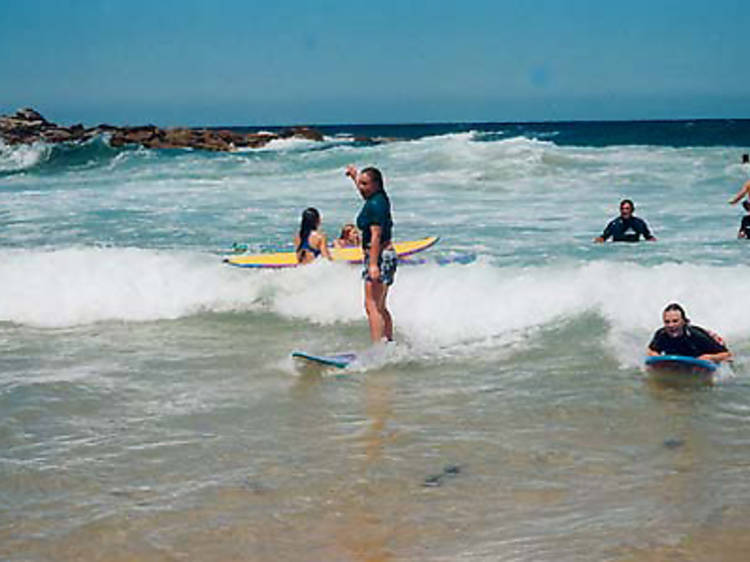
{"x": 257, "y": 140}
{"x": 673, "y": 443}
{"x": 449, "y": 471}
{"x": 301, "y": 133}
{"x": 28, "y": 126}
{"x": 57, "y": 135}
{"x": 28, "y": 114}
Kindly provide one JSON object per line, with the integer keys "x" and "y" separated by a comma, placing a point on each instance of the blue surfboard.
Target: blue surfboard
{"x": 680, "y": 362}
{"x": 338, "y": 360}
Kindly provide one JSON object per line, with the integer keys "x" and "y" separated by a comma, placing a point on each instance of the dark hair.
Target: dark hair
{"x": 745, "y": 158}
{"x": 628, "y": 201}
{"x": 746, "y": 205}
{"x": 675, "y": 306}
{"x": 310, "y": 219}
{"x": 376, "y": 176}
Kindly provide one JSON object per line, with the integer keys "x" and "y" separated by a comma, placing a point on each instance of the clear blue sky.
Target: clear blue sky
{"x": 249, "y": 62}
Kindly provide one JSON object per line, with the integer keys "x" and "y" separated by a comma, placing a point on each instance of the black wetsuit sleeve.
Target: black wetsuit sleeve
{"x": 655, "y": 344}
{"x": 706, "y": 342}
{"x": 642, "y": 228}
{"x": 608, "y": 230}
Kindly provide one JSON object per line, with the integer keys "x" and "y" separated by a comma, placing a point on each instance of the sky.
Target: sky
{"x": 281, "y": 62}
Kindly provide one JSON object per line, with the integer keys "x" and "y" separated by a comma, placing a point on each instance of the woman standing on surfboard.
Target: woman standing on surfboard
{"x": 310, "y": 243}
{"x": 679, "y": 337}
{"x": 380, "y": 259}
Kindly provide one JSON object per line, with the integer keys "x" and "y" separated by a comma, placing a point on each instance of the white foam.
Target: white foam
{"x": 291, "y": 143}
{"x": 84, "y": 285}
{"x": 22, "y": 156}
{"x": 434, "y": 307}
{"x": 452, "y": 306}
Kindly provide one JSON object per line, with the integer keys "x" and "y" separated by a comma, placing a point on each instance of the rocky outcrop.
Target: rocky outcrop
{"x": 28, "y": 126}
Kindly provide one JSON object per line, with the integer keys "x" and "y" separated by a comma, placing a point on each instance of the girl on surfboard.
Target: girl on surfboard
{"x": 380, "y": 259}
{"x": 309, "y": 242}
{"x": 680, "y": 337}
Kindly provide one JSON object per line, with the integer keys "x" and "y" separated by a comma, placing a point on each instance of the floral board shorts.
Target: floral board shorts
{"x": 387, "y": 262}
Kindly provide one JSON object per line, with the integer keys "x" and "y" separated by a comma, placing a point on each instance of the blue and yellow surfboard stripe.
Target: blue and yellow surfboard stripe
{"x": 350, "y": 255}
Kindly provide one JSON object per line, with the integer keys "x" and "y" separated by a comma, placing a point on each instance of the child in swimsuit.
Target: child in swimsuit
{"x": 349, "y": 237}
{"x": 310, "y": 243}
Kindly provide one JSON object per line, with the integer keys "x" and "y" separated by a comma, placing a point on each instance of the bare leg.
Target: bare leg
{"x": 386, "y": 314}
{"x": 374, "y": 296}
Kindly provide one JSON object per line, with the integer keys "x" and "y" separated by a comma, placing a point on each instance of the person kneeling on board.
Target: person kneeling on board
{"x": 627, "y": 227}
{"x": 310, "y": 243}
{"x": 680, "y": 337}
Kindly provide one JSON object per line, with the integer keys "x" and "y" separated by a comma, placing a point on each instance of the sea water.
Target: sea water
{"x": 151, "y": 410}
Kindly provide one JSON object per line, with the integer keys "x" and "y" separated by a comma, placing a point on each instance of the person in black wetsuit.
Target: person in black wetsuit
{"x": 680, "y": 337}
{"x": 626, "y": 227}
{"x": 310, "y": 242}
{"x": 744, "y": 231}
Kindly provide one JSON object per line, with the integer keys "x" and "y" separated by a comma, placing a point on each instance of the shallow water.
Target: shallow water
{"x": 152, "y": 412}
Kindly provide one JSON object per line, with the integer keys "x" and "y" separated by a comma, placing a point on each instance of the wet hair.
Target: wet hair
{"x": 310, "y": 220}
{"x": 375, "y": 176}
{"x": 678, "y": 307}
{"x": 629, "y": 202}
{"x": 745, "y": 158}
{"x": 746, "y": 205}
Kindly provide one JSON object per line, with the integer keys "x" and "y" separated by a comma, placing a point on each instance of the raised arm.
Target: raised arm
{"x": 745, "y": 189}
{"x": 351, "y": 171}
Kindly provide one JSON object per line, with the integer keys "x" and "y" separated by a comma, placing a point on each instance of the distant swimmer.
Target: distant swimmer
{"x": 745, "y": 189}
{"x": 680, "y": 337}
{"x": 349, "y": 237}
{"x": 744, "y": 231}
{"x": 310, "y": 242}
{"x": 626, "y": 227}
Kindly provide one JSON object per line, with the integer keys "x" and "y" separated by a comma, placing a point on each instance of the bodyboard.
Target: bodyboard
{"x": 680, "y": 363}
{"x": 338, "y": 360}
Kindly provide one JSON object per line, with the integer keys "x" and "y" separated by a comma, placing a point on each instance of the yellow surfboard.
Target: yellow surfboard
{"x": 351, "y": 255}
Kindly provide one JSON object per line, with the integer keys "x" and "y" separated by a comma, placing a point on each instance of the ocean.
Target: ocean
{"x": 151, "y": 410}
